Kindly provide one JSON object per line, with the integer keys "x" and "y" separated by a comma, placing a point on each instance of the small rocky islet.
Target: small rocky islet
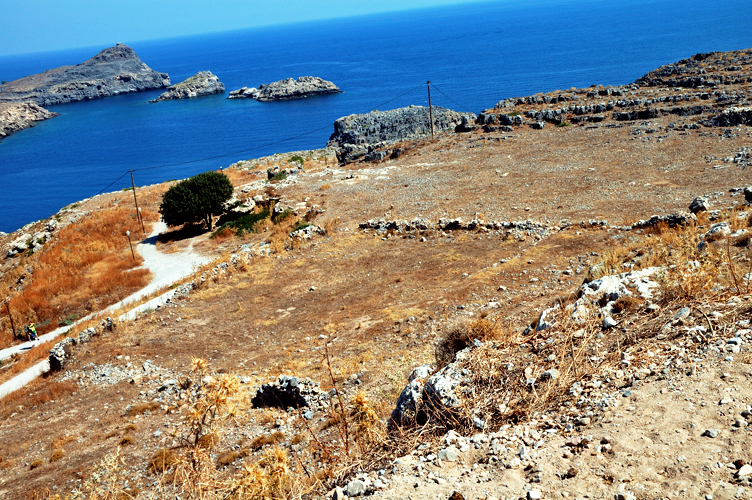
{"x": 201, "y": 84}
{"x": 282, "y": 90}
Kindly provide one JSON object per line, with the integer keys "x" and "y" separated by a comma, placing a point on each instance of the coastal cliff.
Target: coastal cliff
{"x": 200, "y": 84}
{"x": 113, "y": 71}
{"x": 305, "y": 86}
{"x": 18, "y": 116}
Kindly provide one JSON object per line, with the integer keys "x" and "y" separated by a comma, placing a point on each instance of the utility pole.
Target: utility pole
{"x": 138, "y": 210}
{"x": 430, "y": 108}
{"x": 10, "y": 316}
{"x": 128, "y": 234}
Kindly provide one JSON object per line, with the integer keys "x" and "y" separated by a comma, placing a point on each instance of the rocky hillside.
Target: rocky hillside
{"x": 707, "y": 89}
{"x": 113, "y": 71}
{"x": 201, "y": 84}
{"x": 551, "y": 302}
{"x": 18, "y": 116}
{"x": 305, "y": 86}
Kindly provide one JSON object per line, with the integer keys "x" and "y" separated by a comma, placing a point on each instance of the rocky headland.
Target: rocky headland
{"x": 18, "y": 116}
{"x": 201, "y": 84}
{"x": 365, "y": 136}
{"x": 113, "y": 71}
{"x": 305, "y": 86}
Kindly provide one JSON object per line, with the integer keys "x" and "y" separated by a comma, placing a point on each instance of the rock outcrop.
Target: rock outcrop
{"x": 305, "y": 86}
{"x": 287, "y": 392}
{"x": 361, "y": 136}
{"x": 114, "y": 71}
{"x": 18, "y": 116}
{"x": 200, "y": 84}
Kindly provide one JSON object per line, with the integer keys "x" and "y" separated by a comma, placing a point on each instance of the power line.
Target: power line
{"x": 449, "y": 98}
{"x": 113, "y": 182}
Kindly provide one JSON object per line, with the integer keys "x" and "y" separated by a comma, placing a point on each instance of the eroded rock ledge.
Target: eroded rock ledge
{"x": 200, "y": 84}
{"x": 18, "y": 116}
{"x": 305, "y": 86}
{"x": 113, "y": 71}
{"x": 364, "y": 136}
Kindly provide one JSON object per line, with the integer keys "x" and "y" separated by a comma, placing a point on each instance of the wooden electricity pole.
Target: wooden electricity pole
{"x": 430, "y": 108}
{"x": 138, "y": 212}
{"x": 10, "y": 316}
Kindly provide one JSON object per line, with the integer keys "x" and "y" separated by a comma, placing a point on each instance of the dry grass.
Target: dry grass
{"x": 61, "y": 441}
{"x": 228, "y": 457}
{"x": 266, "y": 439}
{"x": 141, "y": 408}
{"x": 87, "y": 266}
{"x": 40, "y": 391}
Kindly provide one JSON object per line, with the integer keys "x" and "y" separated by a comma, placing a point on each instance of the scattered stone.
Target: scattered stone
{"x": 448, "y": 455}
{"x": 356, "y": 488}
{"x": 744, "y": 471}
{"x": 711, "y": 433}
{"x": 699, "y": 204}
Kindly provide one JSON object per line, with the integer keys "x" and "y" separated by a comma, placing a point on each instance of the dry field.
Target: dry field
{"x": 380, "y": 301}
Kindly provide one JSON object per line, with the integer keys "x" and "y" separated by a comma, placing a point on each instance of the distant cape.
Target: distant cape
{"x": 113, "y": 71}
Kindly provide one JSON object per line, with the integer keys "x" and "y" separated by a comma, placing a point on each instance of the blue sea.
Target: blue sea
{"x": 473, "y": 54}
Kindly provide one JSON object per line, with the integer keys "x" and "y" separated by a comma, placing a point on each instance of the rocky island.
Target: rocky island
{"x": 18, "y": 116}
{"x": 364, "y": 136}
{"x": 200, "y": 84}
{"x": 305, "y": 86}
{"x": 113, "y": 71}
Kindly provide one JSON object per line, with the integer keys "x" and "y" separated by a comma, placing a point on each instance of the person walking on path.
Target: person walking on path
{"x": 32, "y": 332}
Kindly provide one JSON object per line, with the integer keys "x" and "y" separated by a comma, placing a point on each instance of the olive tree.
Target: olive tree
{"x": 196, "y": 199}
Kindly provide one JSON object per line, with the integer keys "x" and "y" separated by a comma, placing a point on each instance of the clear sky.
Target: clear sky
{"x": 48, "y": 25}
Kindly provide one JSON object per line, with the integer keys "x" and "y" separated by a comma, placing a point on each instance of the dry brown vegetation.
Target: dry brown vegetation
{"x": 88, "y": 265}
{"x": 37, "y": 392}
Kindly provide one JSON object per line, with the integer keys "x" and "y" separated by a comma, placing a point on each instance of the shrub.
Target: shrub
{"x": 196, "y": 199}
{"x": 296, "y": 159}
{"x": 461, "y": 335}
{"x": 162, "y": 460}
{"x": 245, "y": 224}
{"x": 230, "y": 456}
{"x": 35, "y": 464}
{"x": 278, "y": 177}
{"x": 56, "y": 455}
{"x": 126, "y": 440}
{"x": 626, "y": 303}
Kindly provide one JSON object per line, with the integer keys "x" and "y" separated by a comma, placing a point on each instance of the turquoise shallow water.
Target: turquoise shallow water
{"x": 475, "y": 55}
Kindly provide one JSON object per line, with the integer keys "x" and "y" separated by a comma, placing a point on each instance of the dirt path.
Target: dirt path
{"x": 165, "y": 268}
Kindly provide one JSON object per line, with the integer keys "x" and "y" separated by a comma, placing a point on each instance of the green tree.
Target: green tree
{"x": 196, "y": 199}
